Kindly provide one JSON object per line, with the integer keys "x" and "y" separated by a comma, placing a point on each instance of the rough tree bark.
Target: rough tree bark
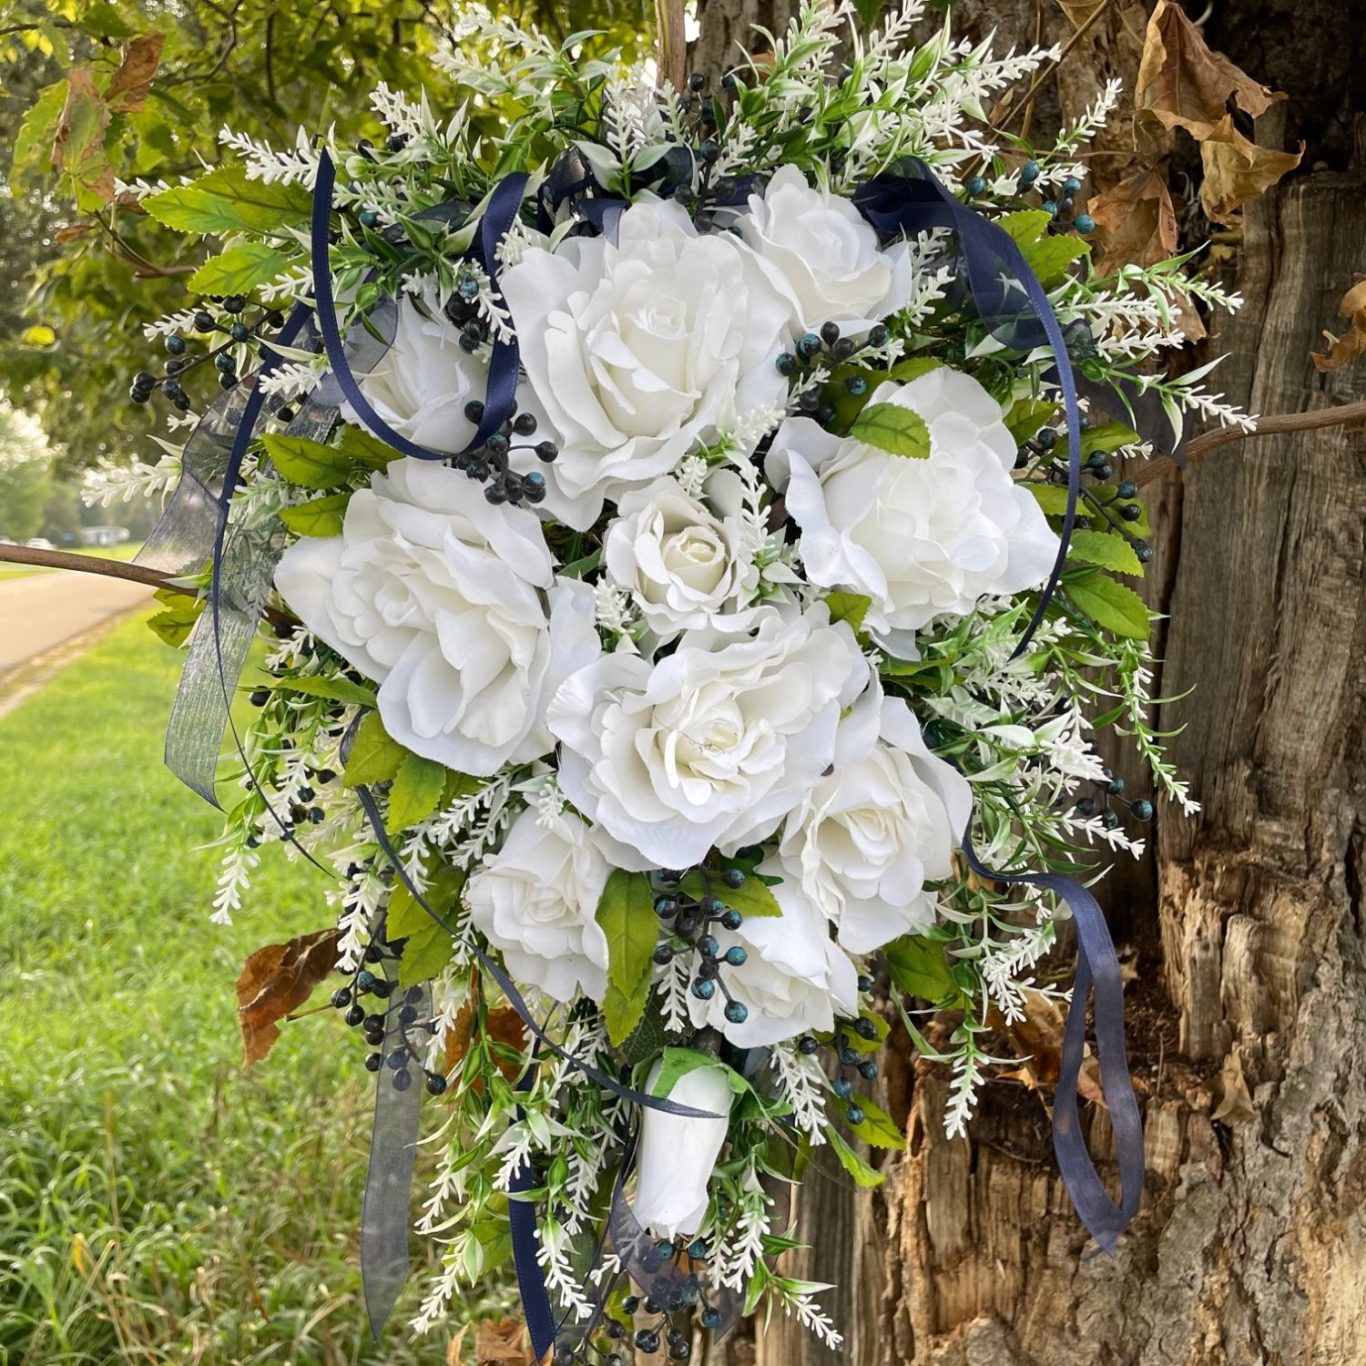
{"x": 1248, "y": 1000}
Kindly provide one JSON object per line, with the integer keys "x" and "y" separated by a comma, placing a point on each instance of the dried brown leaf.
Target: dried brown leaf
{"x": 128, "y": 90}
{"x": 1183, "y": 84}
{"x": 504, "y": 1025}
{"x": 78, "y": 146}
{"x": 1038, "y": 1040}
{"x": 1235, "y": 1099}
{"x": 498, "y": 1342}
{"x": 1237, "y": 170}
{"x": 1353, "y": 343}
{"x": 1135, "y": 222}
{"x": 1081, "y": 12}
{"x": 278, "y": 979}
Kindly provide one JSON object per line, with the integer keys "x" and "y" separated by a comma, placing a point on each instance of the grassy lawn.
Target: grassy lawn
{"x": 158, "y": 1203}
{"x": 99, "y": 552}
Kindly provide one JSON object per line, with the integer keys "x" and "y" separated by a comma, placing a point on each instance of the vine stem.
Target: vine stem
{"x": 1277, "y": 424}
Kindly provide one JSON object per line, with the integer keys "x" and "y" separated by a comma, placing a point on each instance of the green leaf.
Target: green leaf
{"x": 850, "y": 607}
{"x": 416, "y": 792}
{"x": 877, "y": 1128}
{"x": 627, "y": 916}
{"x": 338, "y": 689}
{"x": 912, "y": 367}
{"x": 752, "y": 897}
{"x": 892, "y": 428}
{"x": 177, "y": 621}
{"x": 1047, "y": 256}
{"x": 862, "y": 1045}
{"x": 678, "y": 1062}
{"x": 1108, "y": 549}
{"x": 429, "y": 948}
{"x": 649, "y": 1037}
{"x": 36, "y": 133}
{"x": 239, "y": 270}
{"x": 920, "y": 967}
{"x": 1052, "y": 498}
{"x": 1027, "y": 416}
{"x": 1106, "y": 437}
{"x": 862, "y": 1173}
{"x": 357, "y": 444}
{"x": 318, "y": 517}
{"x": 310, "y": 464}
{"x": 225, "y": 201}
{"x": 374, "y": 756}
{"x": 1111, "y": 605}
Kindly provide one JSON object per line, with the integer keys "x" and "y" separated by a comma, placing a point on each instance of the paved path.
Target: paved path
{"x": 42, "y": 610}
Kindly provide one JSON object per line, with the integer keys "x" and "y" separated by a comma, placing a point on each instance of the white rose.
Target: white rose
{"x": 421, "y": 384}
{"x": 824, "y": 256}
{"x": 536, "y": 900}
{"x": 794, "y": 978}
{"x": 712, "y": 745}
{"x": 684, "y": 564}
{"x": 636, "y": 350}
{"x": 677, "y": 1153}
{"x": 451, "y": 605}
{"x": 881, "y": 824}
{"x": 918, "y": 537}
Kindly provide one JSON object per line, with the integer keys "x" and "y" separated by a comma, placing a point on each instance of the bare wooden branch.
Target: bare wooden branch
{"x": 673, "y": 44}
{"x": 90, "y": 564}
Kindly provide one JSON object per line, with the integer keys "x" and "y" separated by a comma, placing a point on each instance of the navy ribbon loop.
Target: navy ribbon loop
{"x": 1097, "y": 973}
{"x": 500, "y": 402}
{"x": 1007, "y": 295}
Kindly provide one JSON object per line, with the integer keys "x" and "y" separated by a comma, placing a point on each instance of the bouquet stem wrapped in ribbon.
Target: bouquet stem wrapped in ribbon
{"x": 686, "y": 526}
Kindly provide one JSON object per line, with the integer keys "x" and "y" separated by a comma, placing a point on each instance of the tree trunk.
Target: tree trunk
{"x": 1247, "y": 1008}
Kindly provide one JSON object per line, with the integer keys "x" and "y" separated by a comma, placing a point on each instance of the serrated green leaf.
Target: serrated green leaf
{"x": 877, "y": 1128}
{"x": 850, "y": 607}
{"x": 920, "y": 967}
{"x": 239, "y": 269}
{"x": 177, "y": 621}
{"x": 1052, "y": 498}
{"x": 374, "y": 757}
{"x": 338, "y": 689}
{"x": 862, "y": 1173}
{"x": 1108, "y": 603}
{"x": 894, "y": 429}
{"x": 627, "y": 918}
{"x": 1027, "y": 416}
{"x": 416, "y": 792}
{"x": 37, "y": 131}
{"x": 1047, "y": 256}
{"x": 359, "y": 445}
{"x": 1108, "y": 549}
{"x": 678, "y": 1062}
{"x": 856, "y": 1040}
{"x": 317, "y": 517}
{"x": 428, "y": 948}
{"x": 310, "y": 464}
{"x": 1106, "y": 437}
{"x": 752, "y": 898}
{"x": 225, "y": 201}
{"x": 649, "y": 1037}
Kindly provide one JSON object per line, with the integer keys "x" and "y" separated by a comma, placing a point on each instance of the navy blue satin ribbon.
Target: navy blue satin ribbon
{"x": 500, "y": 402}
{"x": 536, "y": 1308}
{"x": 1097, "y": 972}
{"x": 897, "y": 205}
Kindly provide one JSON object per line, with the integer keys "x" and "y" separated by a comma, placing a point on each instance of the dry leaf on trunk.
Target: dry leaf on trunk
{"x": 1182, "y": 84}
{"x": 1081, "y": 12}
{"x": 501, "y": 1342}
{"x": 1038, "y": 1040}
{"x": 1237, "y": 170}
{"x": 278, "y": 979}
{"x": 1353, "y": 344}
{"x": 1235, "y": 1100}
{"x": 1135, "y": 222}
{"x": 133, "y": 80}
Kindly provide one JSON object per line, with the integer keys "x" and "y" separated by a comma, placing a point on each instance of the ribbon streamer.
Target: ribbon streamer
{"x": 536, "y": 1310}
{"x": 1097, "y": 972}
{"x": 898, "y": 204}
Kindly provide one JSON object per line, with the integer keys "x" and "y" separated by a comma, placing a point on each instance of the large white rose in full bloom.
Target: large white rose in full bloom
{"x": 918, "y": 537}
{"x": 873, "y": 831}
{"x": 794, "y": 978}
{"x": 636, "y": 350}
{"x": 451, "y": 605}
{"x": 712, "y": 745}
{"x": 678, "y": 1153}
{"x": 824, "y": 256}
{"x": 536, "y": 900}
{"x": 685, "y": 562}
{"x": 421, "y": 384}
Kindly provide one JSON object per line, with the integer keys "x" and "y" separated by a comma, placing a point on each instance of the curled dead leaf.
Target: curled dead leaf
{"x": 1037, "y": 1040}
{"x": 132, "y": 82}
{"x": 1135, "y": 222}
{"x": 1081, "y": 12}
{"x": 276, "y": 980}
{"x": 499, "y": 1342}
{"x": 504, "y": 1025}
{"x": 1183, "y": 84}
{"x": 1237, "y": 170}
{"x": 1353, "y": 343}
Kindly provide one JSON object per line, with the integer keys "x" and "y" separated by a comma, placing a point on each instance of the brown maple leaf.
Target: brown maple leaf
{"x": 1135, "y": 222}
{"x": 276, "y": 980}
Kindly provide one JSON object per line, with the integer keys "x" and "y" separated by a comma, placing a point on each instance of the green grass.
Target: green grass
{"x": 157, "y": 1202}
{"x": 99, "y": 552}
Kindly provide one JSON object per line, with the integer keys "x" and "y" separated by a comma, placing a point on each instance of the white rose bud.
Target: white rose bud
{"x": 677, "y": 1154}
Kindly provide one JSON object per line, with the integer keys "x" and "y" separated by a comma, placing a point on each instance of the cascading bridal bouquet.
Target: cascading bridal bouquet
{"x": 695, "y": 552}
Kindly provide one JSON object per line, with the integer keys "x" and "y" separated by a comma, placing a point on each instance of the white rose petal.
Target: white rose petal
{"x": 677, "y": 1153}
{"x": 824, "y": 256}
{"x": 685, "y": 564}
{"x": 871, "y": 833}
{"x": 421, "y": 384}
{"x": 638, "y": 349}
{"x": 793, "y": 980}
{"x": 920, "y": 538}
{"x": 450, "y": 604}
{"x": 712, "y": 745}
{"x": 536, "y": 901}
